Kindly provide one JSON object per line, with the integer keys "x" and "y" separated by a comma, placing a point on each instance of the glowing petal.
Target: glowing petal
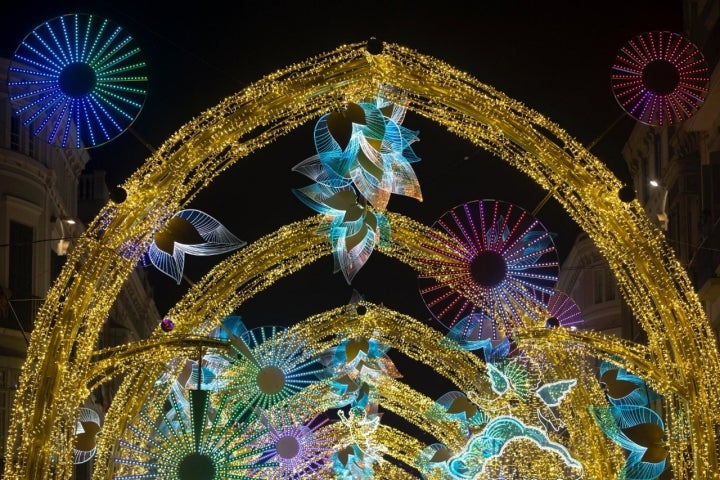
{"x": 189, "y": 232}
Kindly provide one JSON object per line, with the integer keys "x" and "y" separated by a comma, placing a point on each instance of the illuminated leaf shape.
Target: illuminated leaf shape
{"x": 500, "y": 383}
{"x": 652, "y": 437}
{"x": 352, "y": 246}
{"x": 189, "y": 232}
{"x": 511, "y": 375}
{"x": 442, "y": 454}
{"x": 360, "y": 355}
{"x": 639, "y": 430}
{"x": 432, "y": 461}
{"x": 314, "y": 169}
{"x": 354, "y": 346}
{"x": 340, "y": 124}
{"x": 622, "y": 387}
{"x": 455, "y": 405}
{"x": 177, "y": 230}
{"x": 552, "y": 394}
{"x": 231, "y": 326}
{"x": 462, "y": 405}
{"x": 86, "y": 431}
{"x": 327, "y": 200}
{"x": 349, "y": 463}
{"x": 353, "y": 230}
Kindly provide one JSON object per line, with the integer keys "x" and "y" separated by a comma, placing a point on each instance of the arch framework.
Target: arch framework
{"x": 55, "y": 377}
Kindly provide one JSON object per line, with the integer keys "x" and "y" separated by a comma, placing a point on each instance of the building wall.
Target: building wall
{"x": 585, "y": 276}
{"x": 46, "y": 197}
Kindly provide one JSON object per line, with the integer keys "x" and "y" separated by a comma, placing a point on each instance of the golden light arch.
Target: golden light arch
{"x": 54, "y": 378}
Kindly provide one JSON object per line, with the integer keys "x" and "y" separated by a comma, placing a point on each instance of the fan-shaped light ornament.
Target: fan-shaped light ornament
{"x": 189, "y": 232}
{"x": 363, "y": 156}
{"x": 455, "y": 406}
{"x": 86, "y": 431}
{"x": 197, "y": 438}
{"x": 474, "y": 333}
{"x": 78, "y": 80}
{"x": 269, "y": 366}
{"x": 432, "y": 461}
{"x": 498, "y": 263}
{"x": 564, "y": 312}
{"x": 299, "y": 447}
{"x": 660, "y": 78}
{"x": 624, "y": 388}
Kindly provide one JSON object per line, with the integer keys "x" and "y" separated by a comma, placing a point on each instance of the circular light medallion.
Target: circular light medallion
{"x": 496, "y": 263}
{"x": 660, "y": 78}
{"x": 287, "y": 447}
{"x": 77, "y": 81}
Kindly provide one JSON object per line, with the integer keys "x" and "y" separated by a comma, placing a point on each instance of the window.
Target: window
{"x": 598, "y": 286}
{"x": 610, "y": 285}
{"x": 20, "y": 265}
{"x": 604, "y": 285}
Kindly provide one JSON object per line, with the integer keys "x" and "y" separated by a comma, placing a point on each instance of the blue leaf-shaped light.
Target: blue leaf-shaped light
{"x": 640, "y": 431}
{"x": 363, "y": 156}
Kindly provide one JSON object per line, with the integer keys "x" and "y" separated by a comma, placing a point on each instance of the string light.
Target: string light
{"x": 681, "y": 345}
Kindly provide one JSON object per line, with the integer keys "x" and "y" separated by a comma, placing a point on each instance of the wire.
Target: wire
{"x": 37, "y": 241}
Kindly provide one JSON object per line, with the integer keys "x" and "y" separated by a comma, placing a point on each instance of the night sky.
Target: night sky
{"x": 555, "y": 57}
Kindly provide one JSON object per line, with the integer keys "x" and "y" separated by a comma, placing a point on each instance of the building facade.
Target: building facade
{"x": 676, "y": 169}
{"x": 46, "y": 197}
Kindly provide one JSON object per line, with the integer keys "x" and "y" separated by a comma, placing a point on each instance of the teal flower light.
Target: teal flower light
{"x": 354, "y": 367}
{"x": 432, "y": 461}
{"x": 455, "y": 405}
{"x": 363, "y": 156}
{"x": 629, "y": 422}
